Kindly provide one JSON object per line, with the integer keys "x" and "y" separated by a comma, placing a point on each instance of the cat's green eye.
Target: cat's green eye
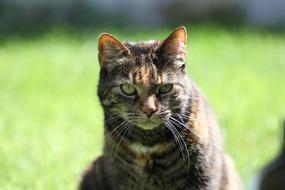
{"x": 128, "y": 89}
{"x": 165, "y": 88}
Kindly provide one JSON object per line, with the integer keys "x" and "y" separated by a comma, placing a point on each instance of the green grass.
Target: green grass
{"x": 51, "y": 121}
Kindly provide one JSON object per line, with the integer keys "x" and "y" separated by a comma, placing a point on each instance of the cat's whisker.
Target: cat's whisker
{"x": 113, "y": 118}
{"x": 107, "y": 136}
{"x": 119, "y": 135}
{"x": 177, "y": 140}
{"x": 184, "y": 143}
{"x": 132, "y": 115}
{"x": 120, "y": 124}
{"x": 193, "y": 131}
{"x": 186, "y": 127}
{"x": 125, "y": 131}
{"x": 179, "y": 106}
{"x": 162, "y": 115}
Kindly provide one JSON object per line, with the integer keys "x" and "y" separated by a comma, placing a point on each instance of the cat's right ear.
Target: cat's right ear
{"x": 174, "y": 46}
{"x": 110, "y": 49}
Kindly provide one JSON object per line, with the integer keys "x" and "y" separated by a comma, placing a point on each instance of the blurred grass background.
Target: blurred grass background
{"x": 51, "y": 121}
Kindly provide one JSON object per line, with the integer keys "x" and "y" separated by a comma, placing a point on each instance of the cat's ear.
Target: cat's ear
{"x": 110, "y": 49}
{"x": 174, "y": 46}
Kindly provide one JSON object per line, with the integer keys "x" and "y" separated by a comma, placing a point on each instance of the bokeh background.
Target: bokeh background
{"x": 51, "y": 124}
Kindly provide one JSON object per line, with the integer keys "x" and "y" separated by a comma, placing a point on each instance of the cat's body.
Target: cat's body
{"x": 163, "y": 137}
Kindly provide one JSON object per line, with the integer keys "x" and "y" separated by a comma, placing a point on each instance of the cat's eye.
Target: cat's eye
{"x": 128, "y": 89}
{"x": 165, "y": 88}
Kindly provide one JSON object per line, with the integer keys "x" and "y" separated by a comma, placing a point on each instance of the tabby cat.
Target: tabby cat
{"x": 160, "y": 133}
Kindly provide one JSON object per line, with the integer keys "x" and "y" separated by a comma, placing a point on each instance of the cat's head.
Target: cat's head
{"x": 143, "y": 83}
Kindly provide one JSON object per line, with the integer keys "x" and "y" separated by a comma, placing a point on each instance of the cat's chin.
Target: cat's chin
{"x": 148, "y": 125}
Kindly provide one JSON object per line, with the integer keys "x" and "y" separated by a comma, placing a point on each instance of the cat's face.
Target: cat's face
{"x": 143, "y": 83}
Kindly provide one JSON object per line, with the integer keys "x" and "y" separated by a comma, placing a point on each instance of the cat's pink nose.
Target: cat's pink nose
{"x": 148, "y": 105}
{"x": 149, "y": 111}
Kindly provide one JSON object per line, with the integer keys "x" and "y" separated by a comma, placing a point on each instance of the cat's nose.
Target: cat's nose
{"x": 149, "y": 111}
{"x": 148, "y": 106}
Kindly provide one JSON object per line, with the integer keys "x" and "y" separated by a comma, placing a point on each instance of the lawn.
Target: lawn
{"x": 51, "y": 120}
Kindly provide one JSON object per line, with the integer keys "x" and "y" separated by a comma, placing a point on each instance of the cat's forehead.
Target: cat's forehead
{"x": 143, "y": 56}
{"x": 143, "y": 67}
{"x": 146, "y": 75}
{"x": 145, "y": 71}
{"x": 142, "y": 48}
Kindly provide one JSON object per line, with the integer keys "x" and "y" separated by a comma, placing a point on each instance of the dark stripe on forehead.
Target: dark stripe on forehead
{"x": 145, "y": 75}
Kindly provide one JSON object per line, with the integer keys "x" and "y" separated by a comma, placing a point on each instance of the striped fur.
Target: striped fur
{"x": 179, "y": 147}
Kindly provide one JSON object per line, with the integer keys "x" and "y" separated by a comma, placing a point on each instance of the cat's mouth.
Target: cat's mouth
{"x": 149, "y": 123}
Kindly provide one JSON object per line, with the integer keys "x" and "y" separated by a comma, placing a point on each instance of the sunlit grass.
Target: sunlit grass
{"x": 51, "y": 120}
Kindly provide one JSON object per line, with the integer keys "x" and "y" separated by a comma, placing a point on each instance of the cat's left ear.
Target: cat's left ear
{"x": 174, "y": 46}
{"x": 110, "y": 49}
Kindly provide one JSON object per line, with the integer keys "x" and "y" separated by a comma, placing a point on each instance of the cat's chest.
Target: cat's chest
{"x": 146, "y": 158}
{"x": 162, "y": 160}
{"x": 154, "y": 158}
{"x": 161, "y": 166}
{"x": 139, "y": 149}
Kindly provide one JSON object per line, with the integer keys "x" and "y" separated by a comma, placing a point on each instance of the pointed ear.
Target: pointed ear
{"x": 175, "y": 45}
{"x": 110, "y": 49}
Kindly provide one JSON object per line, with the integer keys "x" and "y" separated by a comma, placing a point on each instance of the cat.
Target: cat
{"x": 160, "y": 133}
{"x": 273, "y": 175}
